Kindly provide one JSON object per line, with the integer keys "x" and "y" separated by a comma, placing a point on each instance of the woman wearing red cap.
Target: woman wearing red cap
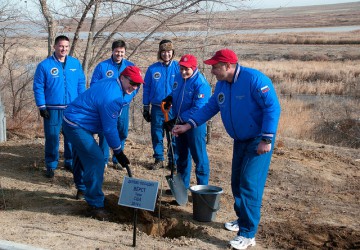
{"x": 93, "y": 112}
{"x": 190, "y": 92}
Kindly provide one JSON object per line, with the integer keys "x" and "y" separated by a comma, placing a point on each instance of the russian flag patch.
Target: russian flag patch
{"x": 265, "y": 89}
{"x": 201, "y": 95}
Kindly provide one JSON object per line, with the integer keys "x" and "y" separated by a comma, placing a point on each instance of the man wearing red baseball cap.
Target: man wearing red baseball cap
{"x": 93, "y": 112}
{"x": 112, "y": 68}
{"x": 190, "y": 92}
{"x": 250, "y": 112}
{"x": 224, "y": 55}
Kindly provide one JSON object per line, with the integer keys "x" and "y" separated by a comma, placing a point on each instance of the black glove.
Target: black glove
{"x": 169, "y": 125}
{"x": 122, "y": 159}
{"x": 146, "y": 113}
{"x": 44, "y": 113}
{"x": 168, "y": 102}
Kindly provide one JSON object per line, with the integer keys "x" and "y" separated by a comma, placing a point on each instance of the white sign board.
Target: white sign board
{"x": 138, "y": 193}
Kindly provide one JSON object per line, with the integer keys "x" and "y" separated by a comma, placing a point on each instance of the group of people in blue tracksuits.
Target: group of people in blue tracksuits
{"x": 245, "y": 98}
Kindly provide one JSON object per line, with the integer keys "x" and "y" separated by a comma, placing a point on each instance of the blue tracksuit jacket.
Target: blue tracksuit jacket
{"x": 56, "y": 86}
{"x": 159, "y": 79}
{"x": 249, "y": 106}
{"x": 109, "y": 69}
{"x": 98, "y": 108}
{"x": 189, "y": 95}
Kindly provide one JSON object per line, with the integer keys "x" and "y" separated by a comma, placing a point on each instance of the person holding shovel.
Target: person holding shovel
{"x": 190, "y": 92}
{"x": 111, "y": 68}
{"x": 159, "y": 79}
{"x": 250, "y": 112}
{"x": 97, "y": 111}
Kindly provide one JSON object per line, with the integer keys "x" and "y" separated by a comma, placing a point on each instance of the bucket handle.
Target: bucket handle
{"x": 211, "y": 208}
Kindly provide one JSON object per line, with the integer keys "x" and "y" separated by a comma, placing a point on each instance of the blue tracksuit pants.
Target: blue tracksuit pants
{"x": 123, "y": 128}
{"x": 248, "y": 177}
{"x": 88, "y": 167}
{"x": 157, "y": 135}
{"x": 52, "y": 129}
{"x": 193, "y": 144}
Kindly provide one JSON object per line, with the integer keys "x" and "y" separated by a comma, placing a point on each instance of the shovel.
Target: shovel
{"x": 175, "y": 182}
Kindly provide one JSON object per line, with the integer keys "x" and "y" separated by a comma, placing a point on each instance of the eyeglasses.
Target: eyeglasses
{"x": 132, "y": 83}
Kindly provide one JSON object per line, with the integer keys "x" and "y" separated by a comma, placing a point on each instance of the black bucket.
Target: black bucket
{"x": 206, "y": 200}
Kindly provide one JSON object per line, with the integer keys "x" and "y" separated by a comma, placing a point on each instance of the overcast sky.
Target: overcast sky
{"x": 260, "y": 4}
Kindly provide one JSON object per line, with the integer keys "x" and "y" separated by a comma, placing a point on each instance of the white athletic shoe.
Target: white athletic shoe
{"x": 240, "y": 242}
{"x": 232, "y": 226}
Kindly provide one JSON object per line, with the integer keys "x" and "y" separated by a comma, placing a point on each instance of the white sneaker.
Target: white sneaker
{"x": 232, "y": 226}
{"x": 240, "y": 242}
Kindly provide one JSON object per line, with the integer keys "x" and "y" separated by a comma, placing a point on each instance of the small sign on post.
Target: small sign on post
{"x": 138, "y": 193}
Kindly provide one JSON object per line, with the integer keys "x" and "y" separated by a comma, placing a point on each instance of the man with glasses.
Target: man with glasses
{"x": 97, "y": 111}
{"x": 111, "y": 68}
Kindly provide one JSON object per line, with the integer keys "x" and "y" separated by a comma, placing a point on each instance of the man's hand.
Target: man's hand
{"x": 263, "y": 148}
{"x": 180, "y": 129}
{"x": 44, "y": 113}
{"x": 169, "y": 124}
{"x": 146, "y": 113}
{"x": 122, "y": 159}
{"x": 168, "y": 102}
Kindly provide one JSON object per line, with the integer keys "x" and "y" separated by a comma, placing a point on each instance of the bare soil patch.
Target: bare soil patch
{"x": 311, "y": 201}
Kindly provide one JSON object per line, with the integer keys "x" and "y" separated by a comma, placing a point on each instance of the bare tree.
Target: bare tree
{"x": 19, "y": 83}
{"x": 108, "y": 18}
{"x": 8, "y": 17}
{"x": 50, "y": 24}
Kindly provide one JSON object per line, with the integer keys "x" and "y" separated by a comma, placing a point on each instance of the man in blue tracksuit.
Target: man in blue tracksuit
{"x": 159, "y": 79}
{"x": 58, "y": 80}
{"x": 97, "y": 111}
{"x": 111, "y": 68}
{"x": 191, "y": 91}
{"x": 250, "y": 112}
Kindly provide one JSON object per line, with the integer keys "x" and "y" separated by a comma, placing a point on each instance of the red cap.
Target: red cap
{"x": 188, "y": 61}
{"x": 134, "y": 73}
{"x": 224, "y": 55}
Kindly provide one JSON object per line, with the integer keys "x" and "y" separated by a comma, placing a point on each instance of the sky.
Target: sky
{"x": 251, "y": 4}
{"x": 261, "y": 4}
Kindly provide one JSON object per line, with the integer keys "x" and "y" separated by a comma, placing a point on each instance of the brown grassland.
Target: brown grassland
{"x": 312, "y": 195}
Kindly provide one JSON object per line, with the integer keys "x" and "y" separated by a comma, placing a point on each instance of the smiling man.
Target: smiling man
{"x": 97, "y": 111}
{"x": 159, "y": 80}
{"x": 58, "y": 80}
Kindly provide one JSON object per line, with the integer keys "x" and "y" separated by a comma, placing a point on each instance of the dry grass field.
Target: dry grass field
{"x": 312, "y": 194}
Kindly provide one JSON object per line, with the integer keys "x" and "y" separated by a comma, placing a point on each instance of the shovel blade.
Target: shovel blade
{"x": 178, "y": 189}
